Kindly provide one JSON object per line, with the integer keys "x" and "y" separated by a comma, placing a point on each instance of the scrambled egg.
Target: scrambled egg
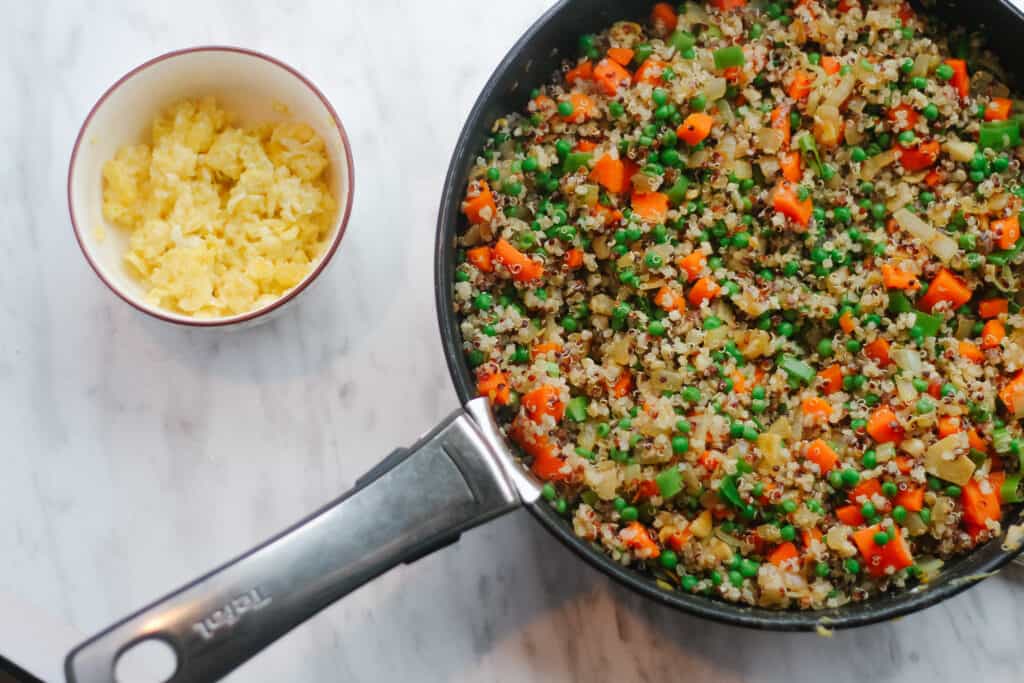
{"x": 223, "y": 220}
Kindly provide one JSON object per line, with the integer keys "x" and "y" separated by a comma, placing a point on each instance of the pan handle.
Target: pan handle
{"x": 417, "y": 500}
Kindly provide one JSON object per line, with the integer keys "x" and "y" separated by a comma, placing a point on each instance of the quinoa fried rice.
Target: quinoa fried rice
{"x": 742, "y": 285}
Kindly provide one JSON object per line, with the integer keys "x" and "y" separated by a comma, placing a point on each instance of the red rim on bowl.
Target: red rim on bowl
{"x": 306, "y": 281}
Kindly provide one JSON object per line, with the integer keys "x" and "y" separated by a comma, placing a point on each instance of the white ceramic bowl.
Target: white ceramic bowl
{"x": 246, "y": 83}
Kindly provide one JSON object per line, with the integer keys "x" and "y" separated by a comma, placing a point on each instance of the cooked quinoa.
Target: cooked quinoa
{"x": 742, "y": 284}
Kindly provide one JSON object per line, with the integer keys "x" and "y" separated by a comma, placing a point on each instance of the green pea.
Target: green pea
{"x": 851, "y": 565}
{"x": 930, "y": 112}
{"x": 787, "y": 533}
{"x": 656, "y": 328}
{"x": 924, "y": 405}
{"x": 890, "y": 490}
{"x": 668, "y": 559}
{"x": 691, "y": 394}
{"x": 616, "y": 109}
{"x": 789, "y": 506}
{"x": 899, "y": 514}
{"x": 869, "y": 460}
{"x": 880, "y": 538}
{"x": 944, "y": 72}
{"x": 953, "y": 491}
{"x": 821, "y": 569}
{"x": 918, "y": 83}
{"x": 852, "y": 345}
{"x": 850, "y": 477}
{"x": 858, "y": 154}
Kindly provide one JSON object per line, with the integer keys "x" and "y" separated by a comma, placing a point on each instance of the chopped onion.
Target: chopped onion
{"x": 946, "y": 459}
{"x": 701, "y": 527}
{"x": 870, "y": 168}
{"x": 715, "y": 88}
{"x": 769, "y": 140}
{"x": 938, "y": 243}
{"x": 958, "y": 150}
{"x": 922, "y": 65}
{"x": 839, "y": 94}
{"x": 907, "y": 359}
{"x": 906, "y": 390}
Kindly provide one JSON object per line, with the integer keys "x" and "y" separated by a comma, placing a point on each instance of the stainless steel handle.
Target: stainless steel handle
{"x": 417, "y": 500}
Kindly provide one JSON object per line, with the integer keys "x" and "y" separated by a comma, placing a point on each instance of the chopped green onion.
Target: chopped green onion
{"x": 999, "y": 135}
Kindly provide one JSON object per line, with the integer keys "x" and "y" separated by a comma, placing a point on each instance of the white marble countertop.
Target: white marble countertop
{"x": 137, "y": 455}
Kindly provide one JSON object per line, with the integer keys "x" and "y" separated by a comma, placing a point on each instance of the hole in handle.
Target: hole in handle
{"x": 148, "y": 661}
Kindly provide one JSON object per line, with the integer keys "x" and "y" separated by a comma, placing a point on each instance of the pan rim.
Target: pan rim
{"x": 967, "y": 570}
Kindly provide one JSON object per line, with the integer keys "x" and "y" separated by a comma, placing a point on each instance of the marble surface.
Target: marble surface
{"x": 137, "y": 455}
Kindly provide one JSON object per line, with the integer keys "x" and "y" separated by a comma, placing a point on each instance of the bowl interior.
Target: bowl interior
{"x": 252, "y": 87}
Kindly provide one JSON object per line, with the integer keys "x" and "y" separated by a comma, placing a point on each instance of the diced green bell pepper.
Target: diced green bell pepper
{"x": 577, "y": 409}
{"x": 899, "y": 303}
{"x": 677, "y": 193}
{"x": 999, "y": 135}
{"x": 670, "y": 482}
{"x": 575, "y": 160}
{"x": 797, "y": 369}
{"x": 729, "y": 492}
{"x": 928, "y": 324}
{"x": 682, "y": 40}
{"x": 727, "y": 57}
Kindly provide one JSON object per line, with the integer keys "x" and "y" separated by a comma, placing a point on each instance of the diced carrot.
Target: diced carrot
{"x": 669, "y": 299}
{"x": 610, "y": 174}
{"x": 481, "y": 208}
{"x": 1012, "y": 394}
{"x": 586, "y": 146}
{"x": 708, "y": 461}
{"x": 1007, "y": 230}
{"x": 993, "y": 308}
{"x": 845, "y": 6}
{"x": 574, "y": 259}
{"x": 816, "y": 407}
{"x": 891, "y": 226}
{"x": 903, "y": 117}
{"x": 679, "y": 539}
{"x": 884, "y": 427}
{"x": 780, "y": 122}
{"x": 811, "y": 535}
{"x": 979, "y": 506}
{"x": 992, "y": 334}
{"x": 584, "y": 71}
{"x": 543, "y": 401}
{"x": 912, "y": 499}
{"x": 960, "y": 80}
{"x": 866, "y": 490}
{"x": 846, "y": 322}
{"x": 945, "y": 287}
{"x": 495, "y": 386}
{"x": 783, "y": 553}
{"x": 998, "y": 109}
{"x": 831, "y": 379}
{"x": 733, "y": 74}
{"x": 947, "y": 425}
{"x": 545, "y": 105}
{"x": 648, "y": 488}
{"x": 609, "y": 75}
{"x": 650, "y": 206}
{"x": 894, "y": 278}
{"x": 850, "y": 515}
{"x": 546, "y": 463}
{"x": 521, "y": 266}
{"x": 820, "y": 453}
{"x": 904, "y": 463}
{"x": 830, "y": 64}
{"x": 704, "y": 289}
{"x": 727, "y": 5}
{"x": 739, "y": 382}
{"x": 786, "y": 201}
{"x": 878, "y": 351}
{"x": 545, "y": 348}
{"x": 664, "y": 18}
{"x": 920, "y": 156}
{"x": 791, "y": 167}
{"x": 934, "y": 178}
{"x": 906, "y": 12}
{"x": 650, "y": 71}
{"x": 695, "y": 128}
{"x": 639, "y": 539}
{"x": 879, "y": 559}
{"x": 975, "y": 441}
{"x": 621, "y": 55}
{"x": 623, "y": 385}
{"x": 970, "y": 351}
{"x": 582, "y": 108}
{"x": 481, "y": 258}
{"x": 692, "y": 264}
{"x": 610, "y": 216}
{"x": 799, "y": 85}
{"x": 935, "y": 389}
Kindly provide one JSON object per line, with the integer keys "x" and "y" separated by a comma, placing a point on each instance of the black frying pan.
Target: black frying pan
{"x": 461, "y": 473}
